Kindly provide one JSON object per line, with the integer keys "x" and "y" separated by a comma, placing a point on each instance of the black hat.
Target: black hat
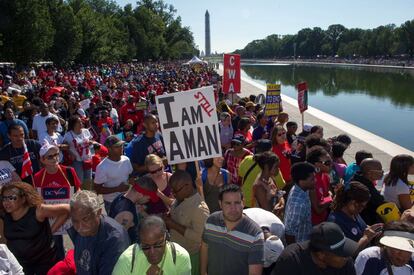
{"x": 263, "y": 145}
{"x": 238, "y": 139}
{"x": 328, "y": 236}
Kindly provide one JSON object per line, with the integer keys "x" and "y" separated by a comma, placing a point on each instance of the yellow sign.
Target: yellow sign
{"x": 273, "y": 100}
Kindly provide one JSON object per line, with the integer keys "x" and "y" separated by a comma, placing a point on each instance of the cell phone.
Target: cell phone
{"x": 379, "y": 229}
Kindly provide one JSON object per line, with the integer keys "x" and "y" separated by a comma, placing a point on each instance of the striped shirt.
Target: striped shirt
{"x": 298, "y": 214}
{"x": 231, "y": 252}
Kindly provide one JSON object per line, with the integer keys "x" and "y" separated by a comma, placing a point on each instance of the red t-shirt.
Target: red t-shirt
{"x": 57, "y": 179}
{"x": 322, "y": 195}
{"x": 283, "y": 152}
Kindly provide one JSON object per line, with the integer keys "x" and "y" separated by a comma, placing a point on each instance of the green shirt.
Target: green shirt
{"x": 182, "y": 264}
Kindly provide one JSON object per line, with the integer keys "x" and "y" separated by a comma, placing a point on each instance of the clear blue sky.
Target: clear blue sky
{"x": 233, "y": 24}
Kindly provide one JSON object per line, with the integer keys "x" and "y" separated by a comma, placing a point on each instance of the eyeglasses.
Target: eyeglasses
{"x": 156, "y": 171}
{"x": 378, "y": 171}
{"x": 159, "y": 245}
{"x": 326, "y": 162}
{"x": 9, "y": 198}
{"x": 281, "y": 134}
{"x": 50, "y": 157}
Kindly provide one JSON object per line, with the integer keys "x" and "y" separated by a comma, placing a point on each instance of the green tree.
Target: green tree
{"x": 67, "y": 41}
{"x": 28, "y": 33}
{"x": 406, "y": 34}
{"x": 334, "y": 36}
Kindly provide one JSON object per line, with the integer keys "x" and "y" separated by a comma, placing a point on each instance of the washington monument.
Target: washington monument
{"x": 207, "y": 22}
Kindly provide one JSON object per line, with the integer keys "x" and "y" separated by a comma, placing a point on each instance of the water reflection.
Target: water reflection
{"x": 397, "y": 85}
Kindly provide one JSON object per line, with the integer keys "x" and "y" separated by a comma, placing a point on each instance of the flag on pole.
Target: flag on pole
{"x": 27, "y": 169}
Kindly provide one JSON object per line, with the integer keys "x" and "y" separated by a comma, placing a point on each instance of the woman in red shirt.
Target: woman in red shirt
{"x": 282, "y": 149}
{"x": 243, "y": 128}
{"x": 55, "y": 183}
{"x": 320, "y": 196}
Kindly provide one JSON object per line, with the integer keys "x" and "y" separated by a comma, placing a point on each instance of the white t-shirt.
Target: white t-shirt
{"x": 8, "y": 262}
{"x": 266, "y": 219}
{"x": 369, "y": 262}
{"x": 6, "y": 170}
{"x": 391, "y": 193}
{"x": 54, "y": 139}
{"x": 112, "y": 173}
{"x": 39, "y": 125}
{"x": 82, "y": 142}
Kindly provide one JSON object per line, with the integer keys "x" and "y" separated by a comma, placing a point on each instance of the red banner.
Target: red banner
{"x": 231, "y": 74}
{"x": 303, "y": 96}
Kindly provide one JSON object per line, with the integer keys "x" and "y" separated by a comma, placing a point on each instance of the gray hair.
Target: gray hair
{"x": 85, "y": 199}
{"x": 151, "y": 222}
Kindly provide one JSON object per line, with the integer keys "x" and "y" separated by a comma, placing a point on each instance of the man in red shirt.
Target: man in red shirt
{"x": 128, "y": 111}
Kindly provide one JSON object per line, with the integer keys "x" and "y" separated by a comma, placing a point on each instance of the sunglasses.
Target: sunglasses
{"x": 378, "y": 171}
{"x": 50, "y": 157}
{"x": 156, "y": 171}
{"x": 9, "y": 198}
{"x": 326, "y": 162}
{"x": 146, "y": 247}
{"x": 281, "y": 134}
{"x": 179, "y": 190}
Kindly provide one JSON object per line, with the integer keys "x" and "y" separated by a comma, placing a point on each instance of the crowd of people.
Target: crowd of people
{"x": 83, "y": 156}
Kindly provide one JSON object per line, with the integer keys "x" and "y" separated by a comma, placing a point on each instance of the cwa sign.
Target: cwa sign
{"x": 189, "y": 125}
{"x": 231, "y": 74}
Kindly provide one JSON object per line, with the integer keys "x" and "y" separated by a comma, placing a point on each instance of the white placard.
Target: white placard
{"x": 189, "y": 125}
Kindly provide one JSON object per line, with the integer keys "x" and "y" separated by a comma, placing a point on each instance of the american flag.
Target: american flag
{"x": 27, "y": 169}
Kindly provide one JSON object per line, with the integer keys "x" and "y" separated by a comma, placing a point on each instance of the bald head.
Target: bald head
{"x": 370, "y": 164}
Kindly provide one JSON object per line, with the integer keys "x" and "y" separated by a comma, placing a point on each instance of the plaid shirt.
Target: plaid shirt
{"x": 298, "y": 214}
{"x": 233, "y": 163}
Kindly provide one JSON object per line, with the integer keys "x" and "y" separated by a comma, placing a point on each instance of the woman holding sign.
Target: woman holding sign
{"x": 27, "y": 229}
{"x": 55, "y": 182}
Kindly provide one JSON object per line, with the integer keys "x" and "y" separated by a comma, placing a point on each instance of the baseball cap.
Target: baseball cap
{"x": 45, "y": 148}
{"x": 328, "y": 236}
{"x": 399, "y": 240}
{"x": 239, "y": 139}
{"x": 307, "y": 127}
{"x": 113, "y": 141}
{"x": 263, "y": 145}
{"x": 273, "y": 247}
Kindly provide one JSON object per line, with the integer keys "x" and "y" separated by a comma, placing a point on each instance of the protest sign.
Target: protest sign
{"x": 84, "y": 104}
{"x": 231, "y": 74}
{"x": 57, "y": 195}
{"x": 273, "y": 99}
{"x": 189, "y": 125}
{"x": 302, "y": 96}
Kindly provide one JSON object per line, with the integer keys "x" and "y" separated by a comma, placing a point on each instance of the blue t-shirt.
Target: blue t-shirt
{"x": 142, "y": 146}
{"x": 353, "y": 229}
{"x": 350, "y": 171}
{"x": 98, "y": 254}
{"x": 124, "y": 212}
{"x": 4, "y": 126}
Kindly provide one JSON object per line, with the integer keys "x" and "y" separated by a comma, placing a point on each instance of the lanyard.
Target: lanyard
{"x": 63, "y": 174}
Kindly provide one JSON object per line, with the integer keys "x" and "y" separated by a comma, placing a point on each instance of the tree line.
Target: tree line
{"x": 384, "y": 41}
{"x": 91, "y": 31}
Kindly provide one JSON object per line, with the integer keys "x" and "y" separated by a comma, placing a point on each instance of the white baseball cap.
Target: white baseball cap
{"x": 45, "y": 148}
{"x": 399, "y": 240}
